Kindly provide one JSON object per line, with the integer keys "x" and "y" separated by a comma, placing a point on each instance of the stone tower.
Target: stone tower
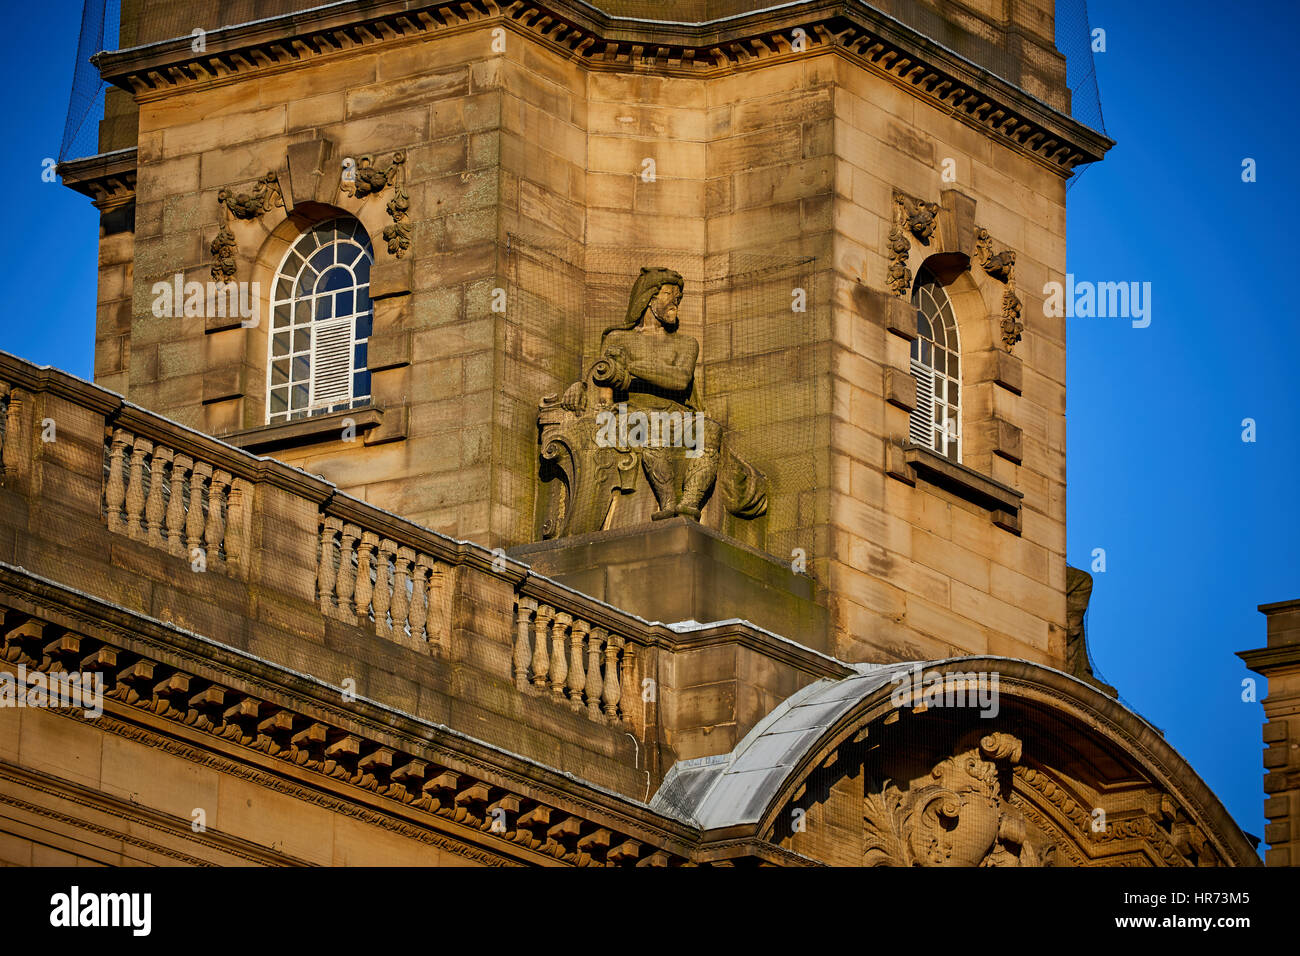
{"x": 538, "y": 157}
{"x": 341, "y": 528}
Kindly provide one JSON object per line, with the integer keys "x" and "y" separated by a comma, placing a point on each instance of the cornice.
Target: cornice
{"x": 107, "y": 178}
{"x": 215, "y": 705}
{"x": 1265, "y": 659}
{"x": 578, "y": 31}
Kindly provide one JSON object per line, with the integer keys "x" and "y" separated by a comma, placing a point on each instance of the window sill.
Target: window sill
{"x": 304, "y": 431}
{"x": 911, "y": 462}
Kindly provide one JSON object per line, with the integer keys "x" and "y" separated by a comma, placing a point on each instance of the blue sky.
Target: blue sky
{"x": 1198, "y": 526}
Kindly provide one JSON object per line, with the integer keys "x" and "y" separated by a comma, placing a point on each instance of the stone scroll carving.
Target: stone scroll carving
{"x": 959, "y": 816}
{"x": 637, "y": 411}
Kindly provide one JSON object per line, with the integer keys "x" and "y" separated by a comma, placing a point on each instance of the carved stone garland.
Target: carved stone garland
{"x": 363, "y": 178}
{"x": 899, "y": 279}
{"x": 264, "y": 196}
{"x": 398, "y": 235}
{"x": 1002, "y": 267}
{"x": 915, "y": 216}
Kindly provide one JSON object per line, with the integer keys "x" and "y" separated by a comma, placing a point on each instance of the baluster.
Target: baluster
{"x": 329, "y": 529}
{"x": 524, "y": 612}
{"x": 419, "y": 597}
{"x": 613, "y": 691}
{"x": 365, "y": 587}
{"x": 629, "y": 666}
{"x": 215, "y": 532}
{"x": 194, "y": 520}
{"x": 577, "y": 679}
{"x": 437, "y": 624}
{"x": 541, "y": 659}
{"x": 595, "y": 682}
{"x": 343, "y": 587}
{"x": 153, "y": 509}
{"x": 383, "y": 588}
{"x": 181, "y": 465}
{"x": 135, "y": 489}
{"x": 5, "y": 389}
{"x": 401, "y": 601}
{"x": 240, "y": 495}
{"x": 115, "y": 490}
{"x": 15, "y": 445}
{"x": 559, "y": 652}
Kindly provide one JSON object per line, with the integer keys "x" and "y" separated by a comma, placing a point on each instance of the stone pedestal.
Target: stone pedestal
{"x": 678, "y": 570}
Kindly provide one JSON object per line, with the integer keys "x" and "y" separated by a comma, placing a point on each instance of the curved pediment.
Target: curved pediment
{"x": 977, "y": 761}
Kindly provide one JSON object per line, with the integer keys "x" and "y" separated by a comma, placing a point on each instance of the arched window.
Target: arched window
{"x": 936, "y": 363}
{"x": 320, "y": 322}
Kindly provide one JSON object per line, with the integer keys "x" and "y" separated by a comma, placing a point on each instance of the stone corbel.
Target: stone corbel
{"x": 390, "y": 292}
{"x": 1001, "y": 266}
{"x": 1006, "y": 440}
{"x": 1004, "y": 370}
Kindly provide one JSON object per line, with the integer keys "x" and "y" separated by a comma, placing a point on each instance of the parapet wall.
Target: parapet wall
{"x": 135, "y": 510}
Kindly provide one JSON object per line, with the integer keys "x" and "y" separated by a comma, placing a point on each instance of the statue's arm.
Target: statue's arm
{"x": 673, "y": 372}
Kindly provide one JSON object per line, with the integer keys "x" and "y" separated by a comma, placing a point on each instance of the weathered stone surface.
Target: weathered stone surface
{"x": 535, "y": 181}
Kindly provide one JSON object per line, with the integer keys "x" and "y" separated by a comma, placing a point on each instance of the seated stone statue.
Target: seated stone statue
{"x": 639, "y": 408}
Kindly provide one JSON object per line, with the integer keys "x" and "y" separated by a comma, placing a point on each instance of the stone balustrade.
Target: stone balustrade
{"x": 199, "y": 500}
{"x": 10, "y": 408}
{"x": 121, "y": 503}
{"x": 575, "y": 664}
{"x": 172, "y": 501}
{"x": 382, "y": 584}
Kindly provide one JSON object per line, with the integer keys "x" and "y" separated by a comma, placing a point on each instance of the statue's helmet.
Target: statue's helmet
{"x": 646, "y": 286}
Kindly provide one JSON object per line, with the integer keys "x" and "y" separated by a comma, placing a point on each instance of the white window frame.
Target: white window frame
{"x": 936, "y": 365}
{"x": 299, "y": 382}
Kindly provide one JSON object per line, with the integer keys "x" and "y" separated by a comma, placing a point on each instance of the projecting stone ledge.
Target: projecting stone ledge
{"x": 679, "y": 570}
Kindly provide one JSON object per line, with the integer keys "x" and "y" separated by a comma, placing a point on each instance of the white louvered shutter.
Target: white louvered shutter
{"x": 921, "y": 429}
{"x": 331, "y": 363}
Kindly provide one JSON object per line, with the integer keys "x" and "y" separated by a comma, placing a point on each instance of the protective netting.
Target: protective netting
{"x": 759, "y": 319}
{"x": 1074, "y": 40}
{"x": 99, "y": 20}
